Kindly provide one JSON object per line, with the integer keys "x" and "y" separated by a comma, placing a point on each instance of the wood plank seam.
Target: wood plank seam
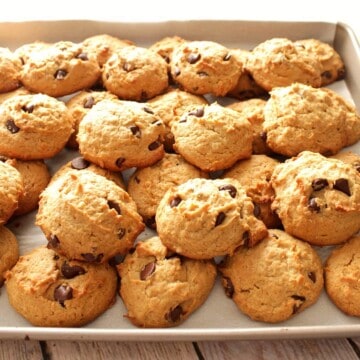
{"x": 198, "y": 351}
{"x": 44, "y": 350}
{"x": 354, "y": 346}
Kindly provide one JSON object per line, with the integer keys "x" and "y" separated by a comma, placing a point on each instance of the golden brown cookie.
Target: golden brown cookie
{"x": 342, "y": 276}
{"x": 160, "y": 288}
{"x": 118, "y": 135}
{"x": 87, "y": 217}
{"x": 33, "y": 127}
{"x": 279, "y": 62}
{"x": 212, "y": 137}
{"x": 204, "y": 218}
{"x": 148, "y": 185}
{"x": 350, "y": 158}
{"x": 11, "y": 94}
{"x": 10, "y": 66}
{"x": 317, "y": 199}
{"x": 135, "y": 73}
{"x": 9, "y": 251}
{"x": 275, "y": 280}
{"x": 49, "y": 290}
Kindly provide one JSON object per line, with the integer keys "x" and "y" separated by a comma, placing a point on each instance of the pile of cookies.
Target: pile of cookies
{"x": 232, "y": 156}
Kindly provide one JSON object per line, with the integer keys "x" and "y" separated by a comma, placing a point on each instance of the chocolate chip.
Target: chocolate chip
{"x": 89, "y": 102}
{"x": 326, "y": 74}
{"x": 154, "y": 145}
{"x": 116, "y": 260}
{"x": 312, "y": 276}
{"x": 177, "y": 71}
{"x": 113, "y": 205}
{"x": 150, "y": 222}
{"x": 119, "y": 161}
{"x": 357, "y": 167}
{"x": 193, "y": 58}
{"x": 128, "y": 67}
{"x": 257, "y": 210}
{"x": 137, "y": 180}
{"x": 341, "y": 74}
{"x": 174, "y": 314}
{"x": 53, "y": 241}
{"x": 82, "y": 56}
{"x": 230, "y": 189}
{"x": 199, "y": 112}
{"x": 3, "y": 158}
{"x": 220, "y": 218}
{"x": 342, "y": 185}
{"x": 263, "y": 136}
{"x": 227, "y": 57}
{"x": 88, "y": 257}
{"x": 70, "y": 272}
{"x": 147, "y": 270}
{"x": 157, "y": 122}
{"x": 228, "y": 286}
{"x": 319, "y": 184}
{"x": 79, "y": 163}
{"x": 121, "y": 233}
{"x": 296, "y": 307}
{"x": 183, "y": 120}
{"x": 62, "y": 293}
{"x": 202, "y": 73}
{"x": 166, "y": 58}
{"x": 299, "y": 297}
{"x": 246, "y": 238}
{"x": 60, "y": 74}
{"x": 56, "y": 257}
{"x": 313, "y": 206}
{"x": 175, "y": 201}
{"x": 11, "y": 126}
{"x": 148, "y": 110}
{"x": 29, "y": 108}
{"x": 135, "y": 130}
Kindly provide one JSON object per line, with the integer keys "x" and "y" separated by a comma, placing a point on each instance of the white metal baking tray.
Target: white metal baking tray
{"x": 218, "y": 318}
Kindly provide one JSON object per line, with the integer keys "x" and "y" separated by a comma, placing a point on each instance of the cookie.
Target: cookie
{"x": 280, "y": 62}
{"x": 87, "y": 217}
{"x": 11, "y": 188}
{"x": 212, "y": 137}
{"x": 9, "y": 251}
{"x": 341, "y": 276}
{"x": 119, "y": 135}
{"x": 299, "y": 117}
{"x": 246, "y": 87}
{"x": 135, "y": 73}
{"x": 349, "y": 157}
{"x": 170, "y": 287}
{"x": 204, "y": 218}
{"x": 204, "y": 67}
{"x": 317, "y": 199}
{"x": 10, "y": 66}
{"x": 170, "y": 106}
{"x": 79, "y": 164}
{"x": 35, "y": 176}
{"x": 254, "y": 175}
{"x": 102, "y": 46}
{"x": 332, "y": 66}
{"x": 79, "y": 105}
{"x": 26, "y": 51}
{"x": 11, "y": 94}
{"x": 253, "y": 111}
{"x": 275, "y": 280}
{"x": 49, "y": 290}
{"x": 148, "y": 185}
{"x": 33, "y": 127}
{"x": 59, "y": 69}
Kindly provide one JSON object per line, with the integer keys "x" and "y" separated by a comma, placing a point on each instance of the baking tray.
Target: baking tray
{"x": 218, "y": 318}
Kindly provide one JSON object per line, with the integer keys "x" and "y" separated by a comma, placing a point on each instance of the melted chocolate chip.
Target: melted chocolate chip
{"x": 88, "y": 257}
{"x": 230, "y": 189}
{"x": 29, "y": 108}
{"x": 341, "y": 74}
{"x": 183, "y": 120}
{"x": 62, "y": 293}
{"x": 193, "y": 58}
{"x": 116, "y": 260}
{"x": 82, "y": 56}
{"x": 326, "y": 74}
{"x": 121, "y": 233}
{"x": 174, "y": 314}
{"x": 319, "y": 184}
{"x": 228, "y": 286}
{"x": 147, "y": 270}
{"x": 114, "y": 205}
{"x": 11, "y": 126}
{"x": 296, "y": 307}
{"x": 199, "y": 112}
{"x": 128, "y": 67}
{"x": 246, "y": 238}
{"x": 175, "y": 201}
{"x": 137, "y": 180}
{"x": 56, "y": 257}
{"x": 313, "y": 206}
{"x": 135, "y": 130}
{"x": 357, "y": 167}
{"x": 119, "y": 161}
{"x": 299, "y": 297}
{"x": 60, "y": 74}
{"x": 227, "y": 57}
{"x": 343, "y": 186}
{"x": 89, "y": 102}
{"x": 220, "y": 218}
{"x": 79, "y": 163}
{"x": 312, "y": 276}
{"x": 70, "y": 272}
{"x": 53, "y": 242}
{"x": 148, "y": 110}
{"x": 154, "y": 145}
